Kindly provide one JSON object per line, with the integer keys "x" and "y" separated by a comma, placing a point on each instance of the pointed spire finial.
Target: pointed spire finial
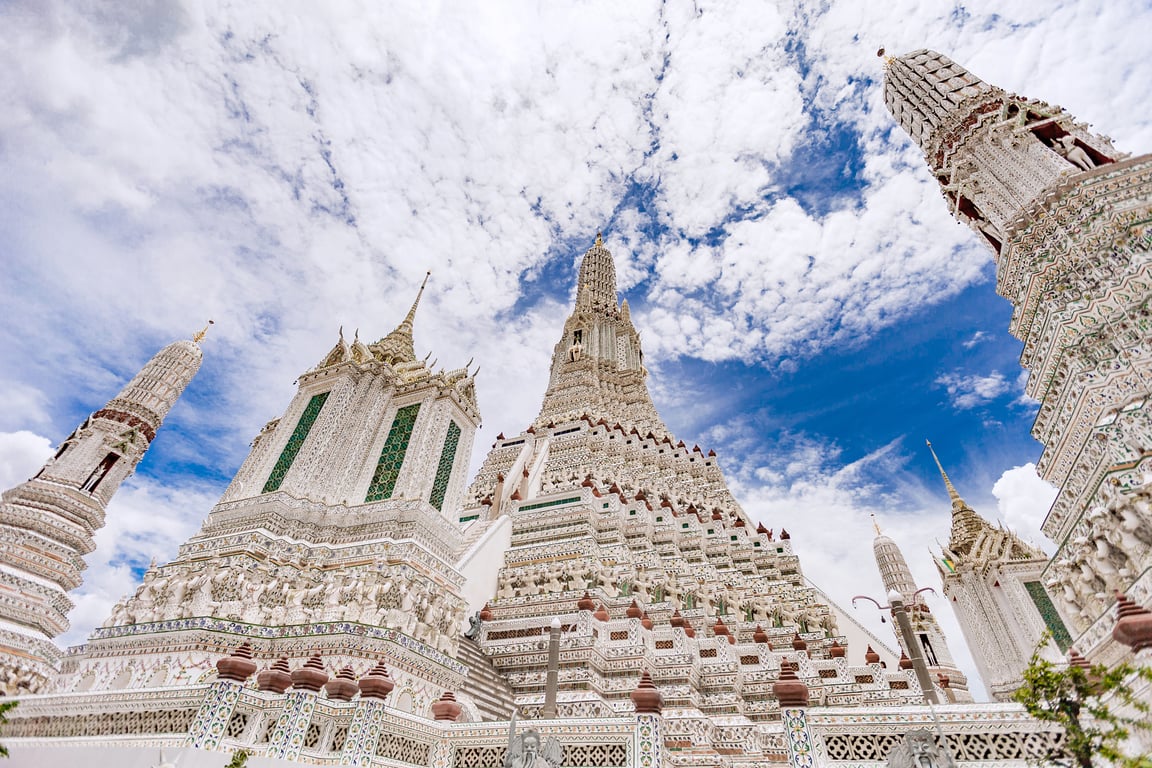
{"x": 412, "y": 312}
{"x": 341, "y": 332}
{"x": 876, "y": 525}
{"x": 952, "y": 494}
{"x": 200, "y": 334}
{"x": 397, "y": 346}
{"x": 599, "y": 240}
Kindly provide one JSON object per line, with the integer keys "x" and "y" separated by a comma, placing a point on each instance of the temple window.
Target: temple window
{"x": 444, "y": 468}
{"x": 100, "y": 473}
{"x": 295, "y": 442}
{"x": 392, "y": 455}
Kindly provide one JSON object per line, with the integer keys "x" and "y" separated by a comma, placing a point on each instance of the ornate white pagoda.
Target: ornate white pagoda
{"x": 47, "y": 523}
{"x": 1067, "y": 217}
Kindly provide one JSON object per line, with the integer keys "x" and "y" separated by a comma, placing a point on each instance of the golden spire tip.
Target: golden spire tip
{"x": 200, "y": 334}
{"x": 952, "y": 494}
{"x": 876, "y": 525}
{"x": 412, "y": 312}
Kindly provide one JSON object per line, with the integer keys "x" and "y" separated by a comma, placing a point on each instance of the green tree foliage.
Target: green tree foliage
{"x": 1095, "y": 708}
{"x": 5, "y": 708}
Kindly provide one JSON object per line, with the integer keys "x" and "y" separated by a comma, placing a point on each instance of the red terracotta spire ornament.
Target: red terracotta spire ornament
{"x": 377, "y": 684}
{"x": 446, "y": 708}
{"x": 237, "y": 667}
{"x": 277, "y": 678}
{"x": 789, "y": 690}
{"x": 342, "y": 687}
{"x": 1133, "y": 624}
{"x": 647, "y": 696}
{"x": 311, "y": 676}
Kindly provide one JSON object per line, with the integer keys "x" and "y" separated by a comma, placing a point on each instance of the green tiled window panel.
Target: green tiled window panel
{"x": 295, "y": 442}
{"x": 444, "y": 469}
{"x": 1048, "y": 613}
{"x": 392, "y": 454}
{"x": 543, "y": 504}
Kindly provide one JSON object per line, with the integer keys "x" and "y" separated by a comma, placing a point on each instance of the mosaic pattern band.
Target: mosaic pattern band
{"x": 363, "y": 733}
{"x": 213, "y": 716}
{"x": 288, "y": 734}
{"x": 392, "y": 454}
{"x": 649, "y": 741}
{"x": 799, "y": 737}
{"x": 295, "y": 442}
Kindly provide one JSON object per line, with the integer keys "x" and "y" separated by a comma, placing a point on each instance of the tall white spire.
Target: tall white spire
{"x": 398, "y": 346}
{"x": 47, "y": 524}
{"x": 597, "y": 366}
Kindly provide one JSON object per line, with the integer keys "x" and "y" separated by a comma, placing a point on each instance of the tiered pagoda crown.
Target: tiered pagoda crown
{"x": 598, "y": 365}
{"x": 923, "y": 88}
{"x": 398, "y": 347}
{"x": 152, "y": 392}
{"x": 975, "y": 539}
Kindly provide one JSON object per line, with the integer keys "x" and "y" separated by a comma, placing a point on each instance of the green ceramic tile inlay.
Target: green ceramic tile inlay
{"x": 392, "y": 455}
{"x": 553, "y": 503}
{"x": 295, "y": 442}
{"x": 1048, "y": 613}
{"x": 444, "y": 469}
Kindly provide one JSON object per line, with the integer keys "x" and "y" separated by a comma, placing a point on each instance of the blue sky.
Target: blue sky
{"x": 808, "y": 308}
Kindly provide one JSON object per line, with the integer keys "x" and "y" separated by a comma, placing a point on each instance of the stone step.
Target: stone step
{"x": 485, "y": 685}
{"x": 473, "y": 534}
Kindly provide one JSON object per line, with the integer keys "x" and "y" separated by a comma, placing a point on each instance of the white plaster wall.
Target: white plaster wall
{"x": 480, "y": 565}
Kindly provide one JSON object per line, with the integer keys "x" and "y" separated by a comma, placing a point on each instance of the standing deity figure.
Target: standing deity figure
{"x": 528, "y": 751}
{"x": 1074, "y": 154}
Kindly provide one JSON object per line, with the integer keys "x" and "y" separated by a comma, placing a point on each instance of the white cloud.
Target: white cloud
{"x": 977, "y": 338}
{"x": 968, "y": 391}
{"x": 1023, "y": 500}
{"x": 144, "y": 521}
{"x": 21, "y": 456}
{"x": 285, "y": 168}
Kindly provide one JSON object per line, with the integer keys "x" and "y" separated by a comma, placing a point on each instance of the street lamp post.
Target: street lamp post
{"x": 900, "y": 613}
{"x": 553, "y": 676}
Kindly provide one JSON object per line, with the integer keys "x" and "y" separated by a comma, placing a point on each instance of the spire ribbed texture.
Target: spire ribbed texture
{"x": 923, "y": 87}
{"x": 398, "y": 346}
{"x": 596, "y": 287}
{"x": 153, "y": 391}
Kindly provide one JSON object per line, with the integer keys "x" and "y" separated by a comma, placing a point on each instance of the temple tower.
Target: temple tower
{"x": 598, "y": 364}
{"x": 896, "y": 575}
{"x": 337, "y": 535}
{"x": 634, "y": 541}
{"x": 48, "y": 523}
{"x": 1067, "y": 218}
{"x": 994, "y": 581}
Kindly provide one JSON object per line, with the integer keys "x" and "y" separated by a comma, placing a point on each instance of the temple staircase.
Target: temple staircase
{"x": 487, "y": 689}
